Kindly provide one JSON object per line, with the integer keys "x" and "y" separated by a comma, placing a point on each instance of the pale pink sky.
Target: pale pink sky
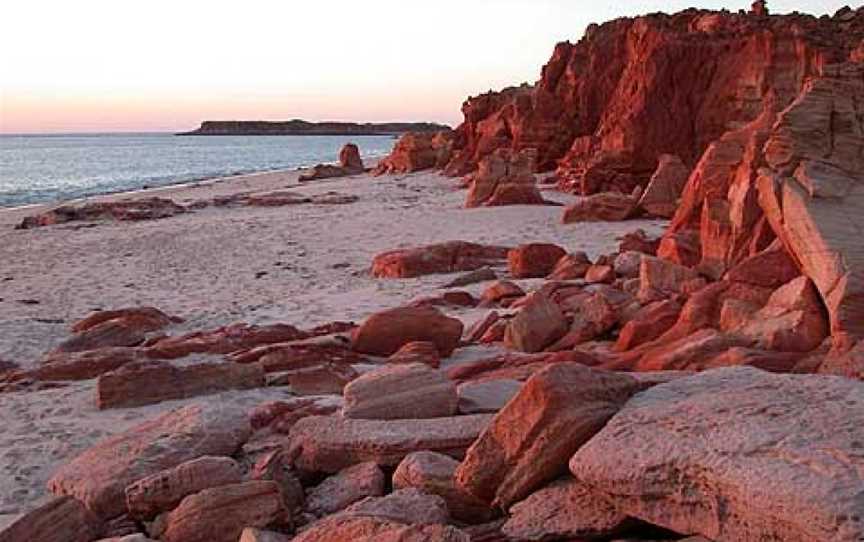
{"x": 166, "y": 65}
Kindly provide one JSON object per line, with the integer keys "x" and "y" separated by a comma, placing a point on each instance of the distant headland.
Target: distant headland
{"x": 302, "y": 127}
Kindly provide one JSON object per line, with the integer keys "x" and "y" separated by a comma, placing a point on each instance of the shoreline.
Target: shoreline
{"x": 370, "y": 161}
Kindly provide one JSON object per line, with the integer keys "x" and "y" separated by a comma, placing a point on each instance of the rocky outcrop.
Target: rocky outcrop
{"x": 99, "y": 476}
{"x": 345, "y": 488}
{"x": 416, "y": 151}
{"x": 602, "y": 207}
{"x": 350, "y": 163}
{"x": 534, "y": 260}
{"x": 450, "y": 257}
{"x": 530, "y": 441}
{"x": 340, "y": 528}
{"x": 664, "y": 189}
{"x": 539, "y": 324}
{"x": 504, "y": 178}
{"x": 736, "y": 454}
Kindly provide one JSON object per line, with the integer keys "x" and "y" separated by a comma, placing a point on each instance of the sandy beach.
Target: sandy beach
{"x": 303, "y": 265}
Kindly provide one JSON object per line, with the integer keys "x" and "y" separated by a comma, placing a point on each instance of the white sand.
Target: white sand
{"x": 202, "y": 266}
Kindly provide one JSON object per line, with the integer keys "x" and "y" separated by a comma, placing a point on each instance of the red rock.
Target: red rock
{"x": 292, "y": 356}
{"x": 791, "y": 320}
{"x": 638, "y": 241}
{"x": 534, "y": 260}
{"x": 603, "y": 207}
{"x": 84, "y": 365}
{"x": 775, "y": 362}
{"x": 413, "y": 391}
{"x": 565, "y": 508}
{"x": 847, "y": 361}
{"x": 99, "y": 476}
{"x": 592, "y": 316}
{"x": 433, "y": 474}
{"x": 728, "y": 435}
{"x": 570, "y": 267}
{"x": 332, "y": 443}
{"x": 681, "y": 247}
{"x": 62, "y": 519}
{"x": 493, "y": 368}
{"x": 500, "y": 290}
{"x": 539, "y": 324}
{"x": 647, "y": 324}
{"x": 340, "y": 528}
{"x": 220, "y": 514}
{"x": 450, "y": 257}
{"x": 280, "y": 416}
{"x": 275, "y": 467}
{"x": 384, "y": 333}
{"x": 504, "y": 178}
{"x": 665, "y": 187}
{"x": 416, "y": 151}
{"x": 769, "y": 269}
{"x": 224, "y": 340}
{"x": 345, "y": 488}
{"x": 417, "y": 352}
{"x": 140, "y": 209}
{"x": 144, "y": 318}
{"x": 409, "y": 506}
{"x": 495, "y": 333}
{"x": 479, "y": 328}
{"x": 349, "y": 158}
{"x": 251, "y": 534}
{"x": 660, "y": 278}
{"x": 111, "y": 333}
{"x": 325, "y": 171}
{"x": 530, "y": 441}
{"x": 324, "y": 379}
{"x": 600, "y": 274}
{"x": 147, "y": 382}
{"x": 689, "y": 351}
{"x": 161, "y": 492}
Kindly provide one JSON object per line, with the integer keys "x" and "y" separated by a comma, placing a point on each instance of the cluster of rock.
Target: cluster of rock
{"x": 350, "y": 163}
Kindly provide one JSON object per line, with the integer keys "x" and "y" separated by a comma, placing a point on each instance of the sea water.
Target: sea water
{"x": 45, "y": 168}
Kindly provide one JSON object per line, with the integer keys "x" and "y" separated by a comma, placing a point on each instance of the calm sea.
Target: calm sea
{"x": 41, "y": 168}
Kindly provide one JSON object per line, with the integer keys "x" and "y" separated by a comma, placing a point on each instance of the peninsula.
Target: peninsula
{"x": 302, "y": 127}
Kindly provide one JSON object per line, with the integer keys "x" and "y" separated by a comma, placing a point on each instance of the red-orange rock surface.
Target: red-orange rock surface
{"x": 449, "y": 257}
{"x": 417, "y": 150}
{"x": 384, "y": 333}
{"x": 504, "y": 178}
{"x": 534, "y": 260}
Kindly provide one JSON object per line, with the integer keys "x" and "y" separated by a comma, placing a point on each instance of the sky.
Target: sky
{"x": 166, "y": 65}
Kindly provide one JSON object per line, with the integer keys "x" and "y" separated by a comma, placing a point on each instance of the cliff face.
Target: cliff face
{"x": 631, "y": 90}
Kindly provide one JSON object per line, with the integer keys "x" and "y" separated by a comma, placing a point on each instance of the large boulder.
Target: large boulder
{"x": 416, "y": 151}
{"x": 564, "y": 509}
{"x": 62, "y": 519}
{"x": 161, "y": 492}
{"x": 449, "y": 257}
{"x": 534, "y": 260}
{"x": 664, "y": 189}
{"x": 384, "y": 333}
{"x": 220, "y": 514}
{"x": 143, "y": 383}
{"x": 504, "y": 178}
{"x": 345, "y": 488}
{"x": 332, "y": 443}
{"x": 603, "y": 207}
{"x": 530, "y": 441}
{"x": 539, "y": 324}
{"x": 736, "y": 454}
{"x": 99, "y": 476}
{"x": 412, "y": 391}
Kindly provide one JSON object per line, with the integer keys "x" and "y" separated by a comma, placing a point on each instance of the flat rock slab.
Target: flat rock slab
{"x": 63, "y": 519}
{"x": 737, "y": 454}
{"x": 400, "y": 392}
{"x": 99, "y": 476}
{"x": 145, "y": 383}
{"x": 332, "y": 443}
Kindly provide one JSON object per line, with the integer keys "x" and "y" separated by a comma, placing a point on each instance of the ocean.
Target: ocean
{"x": 46, "y": 168}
